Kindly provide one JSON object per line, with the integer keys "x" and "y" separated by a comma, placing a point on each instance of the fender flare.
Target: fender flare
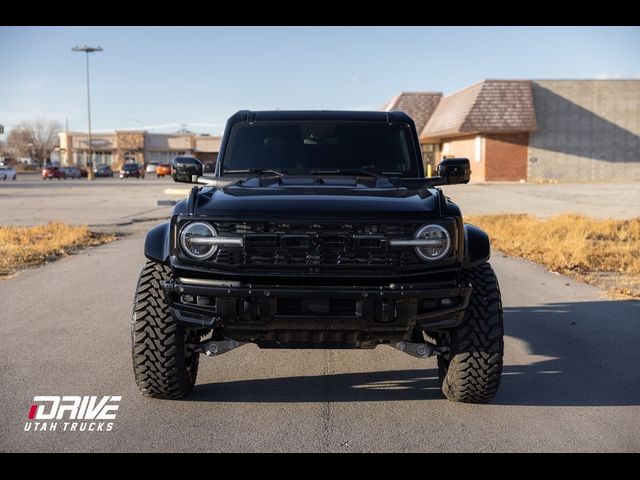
{"x": 477, "y": 248}
{"x": 156, "y": 244}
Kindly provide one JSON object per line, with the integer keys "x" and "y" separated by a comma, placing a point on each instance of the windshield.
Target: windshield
{"x": 307, "y": 147}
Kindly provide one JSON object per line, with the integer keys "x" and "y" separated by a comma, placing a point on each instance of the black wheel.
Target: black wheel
{"x": 165, "y": 356}
{"x": 471, "y": 370}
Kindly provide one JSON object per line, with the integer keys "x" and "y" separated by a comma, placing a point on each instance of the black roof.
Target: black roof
{"x": 347, "y": 115}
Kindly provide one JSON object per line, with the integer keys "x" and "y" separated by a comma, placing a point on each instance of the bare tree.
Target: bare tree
{"x": 36, "y": 138}
{"x": 4, "y": 152}
{"x": 17, "y": 144}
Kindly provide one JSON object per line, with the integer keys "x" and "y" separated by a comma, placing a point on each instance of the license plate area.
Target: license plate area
{"x": 316, "y": 307}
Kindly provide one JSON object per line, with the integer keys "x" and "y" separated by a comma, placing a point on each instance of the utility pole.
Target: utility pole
{"x": 87, "y": 50}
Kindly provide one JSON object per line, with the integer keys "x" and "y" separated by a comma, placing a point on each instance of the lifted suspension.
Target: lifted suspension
{"x": 218, "y": 347}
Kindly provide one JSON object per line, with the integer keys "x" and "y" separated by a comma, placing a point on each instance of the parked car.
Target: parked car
{"x": 71, "y": 172}
{"x": 7, "y": 172}
{"x": 151, "y": 167}
{"x": 50, "y": 172}
{"x": 132, "y": 170}
{"x": 163, "y": 169}
{"x": 103, "y": 170}
{"x": 319, "y": 230}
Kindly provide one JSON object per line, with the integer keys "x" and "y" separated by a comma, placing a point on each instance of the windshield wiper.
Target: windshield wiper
{"x": 347, "y": 171}
{"x": 280, "y": 173}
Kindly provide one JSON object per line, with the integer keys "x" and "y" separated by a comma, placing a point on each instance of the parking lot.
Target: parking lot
{"x": 598, "y": 200}
{"x": 112, "y": 201}
{"x": 571, "y": 380}
{"x": 103, "y": 201}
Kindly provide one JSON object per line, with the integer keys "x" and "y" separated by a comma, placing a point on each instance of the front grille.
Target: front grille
{"x": 313, "y": 247}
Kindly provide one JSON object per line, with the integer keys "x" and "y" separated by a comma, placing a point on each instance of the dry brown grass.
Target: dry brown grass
{"x": 602, "y": 252}
{"x": 22, "y": 247}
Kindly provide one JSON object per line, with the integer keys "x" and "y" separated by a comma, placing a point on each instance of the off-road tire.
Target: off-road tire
{"x": 165, "y": 356}
{"x": 471, "y": 371}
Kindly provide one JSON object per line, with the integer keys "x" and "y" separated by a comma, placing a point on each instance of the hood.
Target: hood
{"x": 337, "y": 196}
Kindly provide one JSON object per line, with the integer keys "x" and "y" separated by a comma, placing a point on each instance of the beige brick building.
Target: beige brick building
{"x": 571, "y": 130}
{"x": 129, "y": 146}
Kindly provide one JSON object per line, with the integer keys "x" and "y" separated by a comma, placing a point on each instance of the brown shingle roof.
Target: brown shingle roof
{"x": 491, "y": 106}
{"x": 418, "y": 105}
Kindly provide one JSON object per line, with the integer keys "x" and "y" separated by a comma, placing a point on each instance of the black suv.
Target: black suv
{"x": 318, "y": 230}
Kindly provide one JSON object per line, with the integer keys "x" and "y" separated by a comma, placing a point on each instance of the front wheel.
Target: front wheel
{"x": 470, "y": 371}
{"x": 165, "y": 354}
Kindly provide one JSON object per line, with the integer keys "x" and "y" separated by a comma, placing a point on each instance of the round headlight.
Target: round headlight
{"x": 439, "y": 244}
{"x": 195, "y": 240}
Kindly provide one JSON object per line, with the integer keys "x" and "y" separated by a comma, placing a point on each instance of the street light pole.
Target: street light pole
{"x": 87, "y": 50}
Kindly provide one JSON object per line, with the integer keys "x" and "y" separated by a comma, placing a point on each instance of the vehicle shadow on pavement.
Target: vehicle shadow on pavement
{"x": 589, "y": 350}
{"x": 381, "y": 386}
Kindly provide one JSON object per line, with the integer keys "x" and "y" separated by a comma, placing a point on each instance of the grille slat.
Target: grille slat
{"x": 312, "y": 245}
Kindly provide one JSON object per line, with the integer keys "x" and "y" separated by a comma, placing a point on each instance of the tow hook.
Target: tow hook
{"x": 420, "y": 350}
{"x": 218, "y": 347}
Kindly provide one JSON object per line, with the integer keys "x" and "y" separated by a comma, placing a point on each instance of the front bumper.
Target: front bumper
{"x": 284, "y": 315}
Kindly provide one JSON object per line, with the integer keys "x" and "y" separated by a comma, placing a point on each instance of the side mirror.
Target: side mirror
{"x": 455, "y": 170}
{"x": 184, "y": 169}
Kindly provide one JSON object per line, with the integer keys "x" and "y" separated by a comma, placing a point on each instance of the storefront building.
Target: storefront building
{"x": 120, "y": 147}
{"x": 533, "y": 130}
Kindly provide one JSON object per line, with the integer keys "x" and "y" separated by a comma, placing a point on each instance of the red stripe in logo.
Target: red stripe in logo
{"x": 32, "y": 411}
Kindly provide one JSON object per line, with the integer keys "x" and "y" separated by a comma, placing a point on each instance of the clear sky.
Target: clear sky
{"x": 148, "y": 76}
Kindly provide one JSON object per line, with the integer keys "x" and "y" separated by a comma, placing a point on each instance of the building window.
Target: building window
{"x": 130, "y": 157}
{"x": 103, "y": 158}
{"x": 478, "y": 148}
{"x": 429, "y": 157}
{"x": 163, "y": 156}
{"x": 80, "y": 158}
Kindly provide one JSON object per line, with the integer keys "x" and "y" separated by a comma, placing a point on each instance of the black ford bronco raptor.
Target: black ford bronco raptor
{"x": 318, "y": 229}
